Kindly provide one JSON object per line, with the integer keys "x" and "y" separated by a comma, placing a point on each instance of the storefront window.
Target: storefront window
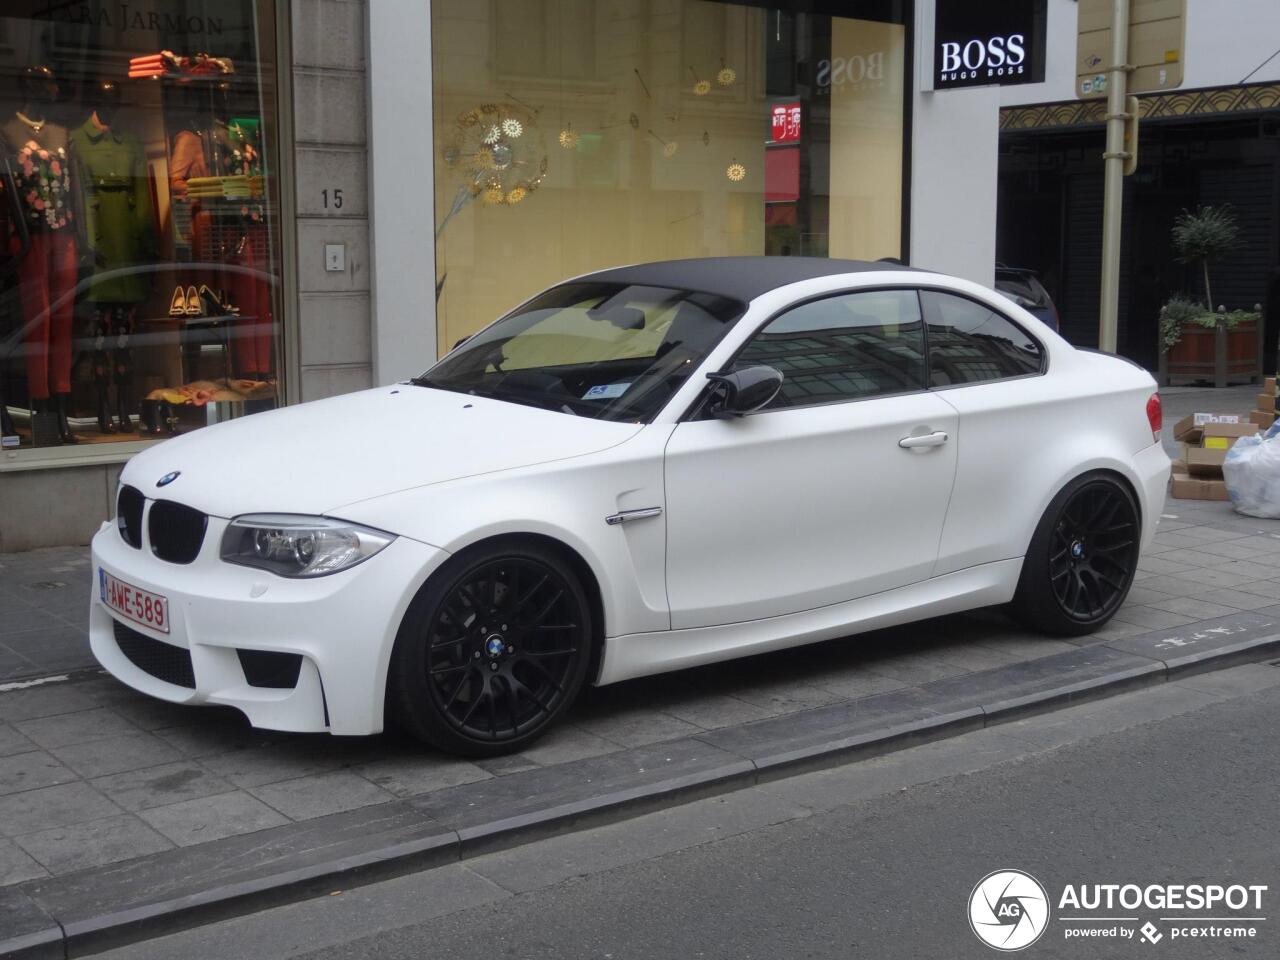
{"x": 139, "y": 226}
{"x": 573, "y": 135}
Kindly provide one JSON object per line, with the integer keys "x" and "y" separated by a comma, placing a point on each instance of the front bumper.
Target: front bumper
{"x": 343, "y": 626}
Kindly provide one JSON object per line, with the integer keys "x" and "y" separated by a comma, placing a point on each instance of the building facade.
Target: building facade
{"x": 263, "y": 203}
{"x": 1213, "y": 140}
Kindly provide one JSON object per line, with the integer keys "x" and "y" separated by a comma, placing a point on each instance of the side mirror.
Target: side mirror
{"x": 746, "y": 390}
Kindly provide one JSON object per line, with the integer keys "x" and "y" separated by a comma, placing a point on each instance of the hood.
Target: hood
{"x": 315, "y": 457}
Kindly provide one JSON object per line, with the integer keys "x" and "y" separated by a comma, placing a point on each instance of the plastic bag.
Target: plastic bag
{"x": 1252, "y": 472}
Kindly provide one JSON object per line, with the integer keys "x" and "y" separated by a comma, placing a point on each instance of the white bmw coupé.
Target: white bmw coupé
{"x": 638, "y": 470}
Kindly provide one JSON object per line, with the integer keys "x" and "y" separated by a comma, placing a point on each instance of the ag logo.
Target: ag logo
{"x": 1008, "y": 910}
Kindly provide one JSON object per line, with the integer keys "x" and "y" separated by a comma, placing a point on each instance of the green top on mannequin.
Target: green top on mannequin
{"x": 111, "y": 173}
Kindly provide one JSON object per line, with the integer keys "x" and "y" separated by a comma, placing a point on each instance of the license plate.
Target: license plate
{"x": 133, "y": 603}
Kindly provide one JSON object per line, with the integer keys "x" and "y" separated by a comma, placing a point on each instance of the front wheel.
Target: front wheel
{"x": 493, "y": 650}
{"x": 1082, "y": 558}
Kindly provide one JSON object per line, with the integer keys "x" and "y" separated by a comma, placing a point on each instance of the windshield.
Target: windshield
{"x": 609, "y": 351}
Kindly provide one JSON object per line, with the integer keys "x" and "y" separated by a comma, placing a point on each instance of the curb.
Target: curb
{"x": 59, "y": 918}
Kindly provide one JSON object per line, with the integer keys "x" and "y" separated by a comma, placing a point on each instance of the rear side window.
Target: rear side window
{"x": 971, "y": 343}
{"x": 847, "y": 347}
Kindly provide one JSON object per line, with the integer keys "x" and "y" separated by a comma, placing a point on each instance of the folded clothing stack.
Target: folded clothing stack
{"x": 202, "y": 64}
{"x": 236, "y": 188}
{"x": 152, "y": 65}
{"x": 167, "y": 63}
{"x": 204, "y": 187}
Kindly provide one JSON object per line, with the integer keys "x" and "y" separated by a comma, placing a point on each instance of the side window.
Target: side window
{"x": 845, "y": 347}
{"x": 970, "y": 343}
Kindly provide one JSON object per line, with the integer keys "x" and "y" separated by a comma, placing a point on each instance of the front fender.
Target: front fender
{"x": 566, "y": 501}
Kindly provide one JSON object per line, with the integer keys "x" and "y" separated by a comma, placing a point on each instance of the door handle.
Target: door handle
{"x": 935, "y": 439}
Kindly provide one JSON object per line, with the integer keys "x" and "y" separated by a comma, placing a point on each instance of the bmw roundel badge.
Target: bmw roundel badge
{"x": 168, "y": 478}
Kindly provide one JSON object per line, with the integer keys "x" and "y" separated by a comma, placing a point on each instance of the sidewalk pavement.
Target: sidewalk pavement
{"x": 92, "y": 773}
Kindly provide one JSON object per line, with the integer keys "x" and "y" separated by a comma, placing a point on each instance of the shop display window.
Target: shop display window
{"x": 573, "y": 135}
{"x": 139, "y": 223}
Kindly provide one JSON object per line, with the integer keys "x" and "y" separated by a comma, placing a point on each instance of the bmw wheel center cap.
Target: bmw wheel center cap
{"x": 494, "y": 645}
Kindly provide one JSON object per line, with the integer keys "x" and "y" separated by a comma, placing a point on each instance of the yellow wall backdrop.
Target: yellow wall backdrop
{"x": 630, "y": 115}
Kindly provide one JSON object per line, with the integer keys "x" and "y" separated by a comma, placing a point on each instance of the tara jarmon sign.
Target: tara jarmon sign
{"x": 992, "y": 42}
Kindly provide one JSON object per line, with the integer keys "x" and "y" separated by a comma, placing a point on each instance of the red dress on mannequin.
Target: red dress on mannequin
{"x": 47, "y": 274}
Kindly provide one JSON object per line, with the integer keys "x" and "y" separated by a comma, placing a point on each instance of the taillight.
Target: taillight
{"x": 1155, "y": 415}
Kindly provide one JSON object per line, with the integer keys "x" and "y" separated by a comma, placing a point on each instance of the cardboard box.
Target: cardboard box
{"x": 1269, "y": 386}
{"x": 1267, "y": 403}
{"x": 1263, "y": 420}
{"x": 1178, "y": 467}
{"x": 1221, "y": 436}
{"x": 1189, "y": 427}
{"x": 1194, "y": 488}
{"x": 1205, "y": 463}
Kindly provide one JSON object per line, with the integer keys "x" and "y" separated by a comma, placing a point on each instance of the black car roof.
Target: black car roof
{"x": 742, "y": 278}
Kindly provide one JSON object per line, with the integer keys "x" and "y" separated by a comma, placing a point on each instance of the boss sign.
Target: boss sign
{"x": 993, "y": 58}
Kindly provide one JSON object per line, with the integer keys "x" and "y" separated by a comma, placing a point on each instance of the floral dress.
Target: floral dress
{"x": 43, "y": 180}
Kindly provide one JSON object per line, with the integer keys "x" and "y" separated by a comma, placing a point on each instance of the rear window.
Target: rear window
{"x": 1025, "y": 286}
{"x": 971, "y": 343}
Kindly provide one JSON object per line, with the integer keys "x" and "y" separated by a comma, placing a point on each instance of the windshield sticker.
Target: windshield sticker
{"x": 606, "y": 391}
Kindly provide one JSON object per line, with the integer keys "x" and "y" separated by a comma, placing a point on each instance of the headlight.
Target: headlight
{"x": 299, "y": 546}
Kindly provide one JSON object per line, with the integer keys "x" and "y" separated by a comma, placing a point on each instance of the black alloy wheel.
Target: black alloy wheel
{"x": 495, "y": 653}
{"x": 1094, "y": 551}
{"x": 1082, "y": 559}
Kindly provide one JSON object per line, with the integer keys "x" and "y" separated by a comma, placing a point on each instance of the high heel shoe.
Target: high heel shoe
{"x": 7, "y": 427}
{"x": 194, "y": 307}
{"x": 178, "y": 305}
{"x": 105, "y": 424}
{"x": 149, "y": 420}
{"x": 122, "y": 409}
{"x": 65, "y": 433}
{"x": 215, "y": 305}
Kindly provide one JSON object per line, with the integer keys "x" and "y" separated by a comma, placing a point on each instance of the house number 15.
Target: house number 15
{"x": 337, "y": 198}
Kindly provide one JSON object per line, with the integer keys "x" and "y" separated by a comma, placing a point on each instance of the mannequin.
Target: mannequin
{"x": 254, "y": 354}
{"x": 38, "y": 152}
{"x": 118, "y": 227}
{"x": 9, "y": 263}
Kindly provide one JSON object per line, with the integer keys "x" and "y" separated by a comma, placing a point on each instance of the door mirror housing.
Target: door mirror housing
{"x": 744, "y": 391}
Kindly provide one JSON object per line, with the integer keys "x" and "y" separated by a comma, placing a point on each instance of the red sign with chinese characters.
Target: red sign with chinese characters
{"x": 785, "y": 120}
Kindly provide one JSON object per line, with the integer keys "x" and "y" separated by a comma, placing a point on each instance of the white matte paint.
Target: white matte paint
{"x": 781, "y": 528}
{"x": 797, "y": 499}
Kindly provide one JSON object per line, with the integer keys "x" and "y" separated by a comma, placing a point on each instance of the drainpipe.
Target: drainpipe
{"x": 1114, "y": 162}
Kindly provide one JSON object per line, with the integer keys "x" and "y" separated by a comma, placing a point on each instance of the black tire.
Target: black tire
{"x": 493, "y": 650}
{"x": 1082, "y": 558}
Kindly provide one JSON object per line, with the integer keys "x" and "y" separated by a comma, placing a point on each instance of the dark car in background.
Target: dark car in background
{"x": 1023, "y": 287}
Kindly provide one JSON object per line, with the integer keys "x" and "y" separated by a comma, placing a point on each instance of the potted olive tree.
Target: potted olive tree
{"x": 1196, "y": 340}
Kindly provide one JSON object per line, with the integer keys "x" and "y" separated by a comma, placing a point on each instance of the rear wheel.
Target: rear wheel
{"x": 493, "y": 650}
{"x": 1082, "y": 558}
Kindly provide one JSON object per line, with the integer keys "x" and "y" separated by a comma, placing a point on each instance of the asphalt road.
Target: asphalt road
{"x": 1177, "y": 784}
